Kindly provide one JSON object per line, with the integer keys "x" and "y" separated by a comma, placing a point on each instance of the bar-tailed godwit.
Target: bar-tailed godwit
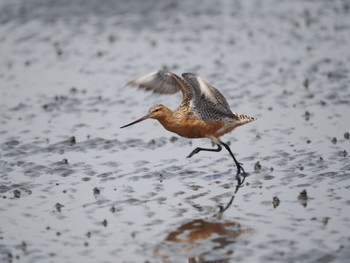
{"x": 203, "y": 112}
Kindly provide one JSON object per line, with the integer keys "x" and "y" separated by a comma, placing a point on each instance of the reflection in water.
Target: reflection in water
{"x": 201, "y": 229}
{"x": 240, "y": 182}
{"x": 204, "y": 240}
{"x": 194, "y": 235}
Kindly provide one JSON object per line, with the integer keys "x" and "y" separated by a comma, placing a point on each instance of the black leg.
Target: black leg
{"x": 197, "y": 150}
{"x": 239, "y": 165}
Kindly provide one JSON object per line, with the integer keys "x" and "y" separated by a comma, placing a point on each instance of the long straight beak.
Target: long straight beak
{"x": 134, "y": 122}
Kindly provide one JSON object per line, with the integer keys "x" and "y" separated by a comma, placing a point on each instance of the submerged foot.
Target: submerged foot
{"x": 240, "y": 169}
{"x": 240, "y": 180}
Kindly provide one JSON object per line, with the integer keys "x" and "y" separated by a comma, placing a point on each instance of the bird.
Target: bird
{"x": 203, "y": 113}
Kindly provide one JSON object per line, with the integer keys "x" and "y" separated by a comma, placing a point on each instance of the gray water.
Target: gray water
{"x": 76, "y": 188}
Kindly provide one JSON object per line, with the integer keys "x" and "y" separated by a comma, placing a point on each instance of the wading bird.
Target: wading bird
{"x": 203, "y": 112}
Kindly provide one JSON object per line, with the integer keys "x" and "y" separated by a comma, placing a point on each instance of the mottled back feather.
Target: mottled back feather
{"x": 206, "y": 102}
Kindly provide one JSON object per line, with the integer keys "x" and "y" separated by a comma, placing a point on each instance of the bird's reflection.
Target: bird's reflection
{"x": 204, "y": 239}
{"x": 222, "y": 209}
{"x": 201, "y": 229}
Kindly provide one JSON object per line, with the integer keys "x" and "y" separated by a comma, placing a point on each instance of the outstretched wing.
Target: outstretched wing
{"x": 162, "y": 82}
{"x": 207, "y": 102}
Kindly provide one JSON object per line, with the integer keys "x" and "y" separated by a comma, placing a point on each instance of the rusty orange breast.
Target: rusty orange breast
{"x": 185, "y": 124}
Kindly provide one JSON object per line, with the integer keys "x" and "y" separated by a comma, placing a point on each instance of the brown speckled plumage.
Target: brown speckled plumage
{"x": 203, "y": 112}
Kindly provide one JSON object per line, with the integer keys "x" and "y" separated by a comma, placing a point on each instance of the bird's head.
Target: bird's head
{"x": 157, "y": 112}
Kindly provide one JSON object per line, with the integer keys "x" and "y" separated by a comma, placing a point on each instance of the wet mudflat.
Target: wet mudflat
{"x": 74, "y": 187}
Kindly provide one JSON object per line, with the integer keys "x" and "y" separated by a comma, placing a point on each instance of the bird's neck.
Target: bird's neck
{"x": 167, "y": 120}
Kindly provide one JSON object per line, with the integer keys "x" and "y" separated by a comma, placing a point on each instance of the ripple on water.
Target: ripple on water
{"x": 74, "y": 187}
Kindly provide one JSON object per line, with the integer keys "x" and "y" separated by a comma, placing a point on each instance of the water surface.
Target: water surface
{"x": 74, "y": 187}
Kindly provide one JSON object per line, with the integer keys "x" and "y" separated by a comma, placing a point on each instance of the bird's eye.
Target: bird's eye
{"x": 156, "y": 110}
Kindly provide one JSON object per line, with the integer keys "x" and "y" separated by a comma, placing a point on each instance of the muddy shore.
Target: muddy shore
{"x": 76, "y": 188}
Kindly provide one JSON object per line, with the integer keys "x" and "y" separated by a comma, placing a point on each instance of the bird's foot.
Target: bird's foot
{"x": 240, "y": 180}
{"x": 240, "y": 169}
{"x": 195, "y": 151}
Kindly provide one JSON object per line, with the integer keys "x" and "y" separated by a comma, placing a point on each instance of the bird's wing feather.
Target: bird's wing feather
{"x": 162, "y": 82}
{"x": 208, "y": 103}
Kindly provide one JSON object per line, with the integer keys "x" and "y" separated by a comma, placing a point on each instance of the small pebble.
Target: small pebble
{"x": 58, "y": 207}
{"x": 303, "y": 195}
{"x": 152, "y": 142}
{"x": 96, "y": 191}
{"x": 24, "y": 246}
{"x": 275, "y": 201}
{"x": 153, "y": 43}
{"x": 334, "y": 140}
{"x": 173, "y": 139}
{"x": 196, "y": 187}
{"x": 257, "y": 166}
{"x": 59, "y": 52}
{"x": 72, "y": 140}
{"x": 343, "y": 153}
{"x": 347, "y": 135}
{"x": 17, "y": 193}
{"x": 104, "y": 222}
{"x": 111, "y": 38}
{"x": 325, "y": 220}
{"x": 73, "y": 90}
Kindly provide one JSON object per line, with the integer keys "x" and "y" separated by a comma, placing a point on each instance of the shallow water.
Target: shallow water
{"x": 74, "y": 187}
